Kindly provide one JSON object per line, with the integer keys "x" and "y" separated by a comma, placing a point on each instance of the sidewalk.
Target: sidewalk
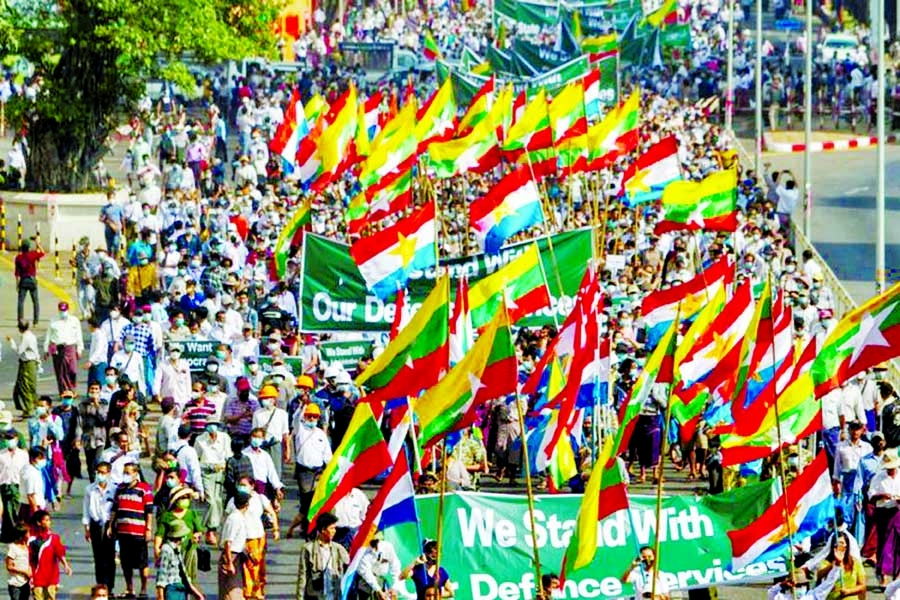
{"x": 50, "y": 292}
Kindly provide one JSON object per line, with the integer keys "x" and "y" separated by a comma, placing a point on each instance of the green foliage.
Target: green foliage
{"x": 94, "y": 57}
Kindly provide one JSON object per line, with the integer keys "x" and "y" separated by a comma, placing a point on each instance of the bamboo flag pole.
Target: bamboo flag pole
{"x": 440, "y": 522}
{"x": 663, "y": 451}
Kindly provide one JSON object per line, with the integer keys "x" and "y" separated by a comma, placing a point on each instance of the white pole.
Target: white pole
{"x": 807, "y": 124}
{"x": 880, "y": 125}
{"x": 729, "y": 91}
{"x": 758, "y": 73}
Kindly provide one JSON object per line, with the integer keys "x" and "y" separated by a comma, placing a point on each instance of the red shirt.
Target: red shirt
{"x": 48, "y": 552}
{"x": 26, "y": 263}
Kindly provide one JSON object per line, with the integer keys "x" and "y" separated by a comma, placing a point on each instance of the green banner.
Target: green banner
{"x": 529, "y": 18}
{"x": 196, "y": 352}
{"x": 294, "y": 363}
{"x": 347, "y": 354}
{"x": 333, "y": 295}
{"x": 488, "y": 544}
{"x": 675, "y": 36}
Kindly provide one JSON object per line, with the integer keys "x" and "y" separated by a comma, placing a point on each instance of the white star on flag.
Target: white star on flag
{"x": 507, "y": 296}
{"x": 475, "y": 384}
{"x": 869, "y": 334}
{"x": 467, "y": 160}
{"x": 697, "y": 215}
{"x": 344, "y": 464}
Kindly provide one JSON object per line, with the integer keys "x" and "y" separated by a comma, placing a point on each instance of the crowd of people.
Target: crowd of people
{"x": 188, "y": 257}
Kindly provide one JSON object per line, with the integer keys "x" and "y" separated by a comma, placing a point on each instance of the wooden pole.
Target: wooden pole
{"x": 440, "y": 523}
{"x": 529, "y": 492}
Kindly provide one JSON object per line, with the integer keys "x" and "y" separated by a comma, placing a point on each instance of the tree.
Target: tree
{"x": 93, "y": 58}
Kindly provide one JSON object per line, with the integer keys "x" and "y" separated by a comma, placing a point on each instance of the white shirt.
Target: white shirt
{"x": 117, "y": 461}
{"x": 97, "y": 504}
{"x": 99, "y": 347}
{"x": 235, "y": 531}
{"x": 131, "y": 364}
{"x": 11, "y": 466}
{"x": 375, "y": 565}
{"x": 882, "y": 484}
{"x": 643, "y": 582}
{"x": 258, "y": 506}
{"x": 311, "y": 447}
{"x": 892, "y": 592}
{"x": 189, "y": 463}
{"x": 263, "y": 467}
{"x": 64, "y": 332}
{"x": 213, "y": 452}
{"x": 351, "y": 509}
{"x": 28, "y": 347}
{"x": 848, "y": 455}
{"x": 831, "y": 409}
{"x": 175, "y": 381}
{"x": 277, "y": 428}
{"x": 33, "y": 484}
{"x": 816, "y": 561}
{"x": 852, "y": 403}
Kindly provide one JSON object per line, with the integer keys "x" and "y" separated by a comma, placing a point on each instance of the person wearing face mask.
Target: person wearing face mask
{"x": 13, "y": 461}
{"x": 147, "y": 338}
{"x": 131, "y": 521}
{"x": 65, "y": 344}
{"x": 248, "y": 314}
{"x": 95, "y": 515}
{"x": 178, "y": 330}
{"x": 213, "y": 448}
{"x": 181, "y": 514}
{"x": 32, "y": 485}
{"x": 378, "y": 574}
{"x": 192, "y": 299}
{"x": 265, "y": 475}
{"x": 247, "y": 347}
{"x": 211, "y": 376}
{"x": 70, "y": 441}
{"x": 43, "y": 423}
{"x": 175, "y": 377}
{"x": 129, "y": 362}
{"x": 93, "y": 415}
{"x": 113, "y": 327}
{"x": 142, "y": 278}
{"x": 254, "y": 566}
{"x": 274, "y": 422}
{"x": 312, "y": 452}
{"x": 239, "y": 411}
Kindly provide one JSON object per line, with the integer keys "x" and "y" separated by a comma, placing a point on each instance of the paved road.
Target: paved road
{"x": 843, "y": 213}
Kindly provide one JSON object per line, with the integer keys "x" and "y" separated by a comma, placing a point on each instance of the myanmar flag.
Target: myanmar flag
{"x": 488, "y": 371}
{"x": 287, "y": 238}
{"x": 709, "y": 205}
{"x": 532, "y": 130}
{"x": 521, "y": 283}
{"x": 666, "y": 14}
{"x": 430, "y": 47}
{"x": 437, "y": 120}
{"x": 362, "y": 455}
{"x": 479, "y": 107}
{"x": 601, "y": 47}
{"x": 866, "y": 337}
{"x": 421, "y": 348}
{"x": 605, "y": 492}
{"x": 477, "y": 152}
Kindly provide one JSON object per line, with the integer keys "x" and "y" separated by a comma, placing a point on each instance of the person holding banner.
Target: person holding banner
{"x": 424, "y": 575}
{"x": 641, "y": 574}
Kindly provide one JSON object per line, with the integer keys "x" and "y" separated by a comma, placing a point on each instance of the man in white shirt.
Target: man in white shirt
{"x": 175, "y": 378}
{"x": 32, "y": 483}
{"x": 378, "y": 566}
{"x": 188, "y": 461}
{"x": 213, "y": 448}
{"x": 95, "y": 518}
{"x": 884, "y": 491}
{"x": 113, "y": 327}
{"x": 274, "y": 421}
{"x": 832, "y": 421}
{"x": 118, "y": 455}
{"x": 641, "y": 574}
{"x": 350, "y": 511}
{"x": 64, "y": 343}
{"x": 312, "y": 452}
{"x": 13, "y": 461}
{"x": 128, "y": 361}
{"x": 233, "y": 542}
{"x": 264, "y": 472}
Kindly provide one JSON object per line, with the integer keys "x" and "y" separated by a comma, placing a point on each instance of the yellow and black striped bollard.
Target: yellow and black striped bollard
{"x": 74, "y": 258}
{"x": 57, "y": 272}
{"x": 2, "y": 226}
{"x": 19, "y": 231}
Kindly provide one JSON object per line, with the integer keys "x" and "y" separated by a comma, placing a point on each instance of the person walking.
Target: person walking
{"x": 47, "y": 553}
{"x": 18, "y": 565}
{"x": 131, "y": 523}
{"x": 95, "y": 516}
{"x": 25, "y": 388}
{"x": 322, "y": 563}
{"x": 13, "y": 461}
{"x": 254, "y": 565}
{"x": 93, "y": 427}
{"x": 26, "y": 264}
{"x": 233, "y": 543}
{"x": 312, "y": 452}
{"x": 64, "y": 343}
{"x": 274, "y": 422}
{"x": 213, "y": 449}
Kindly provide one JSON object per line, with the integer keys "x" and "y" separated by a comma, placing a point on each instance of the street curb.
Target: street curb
{"x": 61, "y": 294}
{"x": 849, "y": 144}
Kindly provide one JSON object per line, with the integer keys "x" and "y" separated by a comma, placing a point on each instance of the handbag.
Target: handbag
{"x": 204, "y": 560}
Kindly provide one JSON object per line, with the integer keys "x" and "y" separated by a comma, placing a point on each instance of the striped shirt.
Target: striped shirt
{"x": 197, "y": 415}
{"x": 132, "y": 506}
